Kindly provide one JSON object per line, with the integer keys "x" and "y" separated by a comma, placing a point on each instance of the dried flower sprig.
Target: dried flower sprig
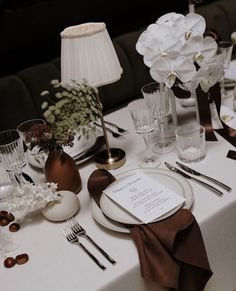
{"x": 29, "y": 198}
{"x": 69, "y": 111}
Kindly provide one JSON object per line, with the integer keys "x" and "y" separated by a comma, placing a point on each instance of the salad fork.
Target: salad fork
{"x": 80, "y": 231}
{"x": 73, "y": 238}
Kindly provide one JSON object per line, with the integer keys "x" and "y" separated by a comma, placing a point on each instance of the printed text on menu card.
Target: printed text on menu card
{"x": 144, "y": 197}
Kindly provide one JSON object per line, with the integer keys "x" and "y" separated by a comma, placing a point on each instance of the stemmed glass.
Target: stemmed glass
{"x": 144, "y": 126}
{"x": 157, "y": 98}
{"x": 25, "y": 130}
{"x": 12, "y": 159}
{"x": 225, "y": 47}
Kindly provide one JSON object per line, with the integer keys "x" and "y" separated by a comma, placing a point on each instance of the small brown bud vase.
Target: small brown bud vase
{"x": 61, "y": 169}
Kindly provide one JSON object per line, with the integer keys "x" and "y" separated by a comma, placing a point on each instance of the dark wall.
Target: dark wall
{"x": 30, "y": 29}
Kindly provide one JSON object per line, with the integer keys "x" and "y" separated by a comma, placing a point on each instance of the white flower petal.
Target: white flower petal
{"x": 196, "y": 24}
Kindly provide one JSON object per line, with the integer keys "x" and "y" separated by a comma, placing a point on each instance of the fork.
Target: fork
{"x": 80, "y": 231}
{"x": 113, "y": 133}
{"x": 121, "y": 130}
{"x": 73, "y": 238}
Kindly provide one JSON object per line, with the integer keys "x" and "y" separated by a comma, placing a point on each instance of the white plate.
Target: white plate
{"x": 79, "y": 146}
{"x": 228, "y": 116}
{"x": 171, "y": 180}
{"x": 105, "y": 221}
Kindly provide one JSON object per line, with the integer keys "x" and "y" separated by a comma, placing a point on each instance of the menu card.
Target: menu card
{"x": 144, "y": 197}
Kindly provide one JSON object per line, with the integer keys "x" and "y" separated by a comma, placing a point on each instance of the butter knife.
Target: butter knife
{"x": 194, "y": 172}
{"x": 207, "y": 186}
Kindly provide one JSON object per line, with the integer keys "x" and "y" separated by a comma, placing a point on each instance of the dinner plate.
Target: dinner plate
{"x": 79, "y": 146}
{"x": 104, "y": 220}
{"x": 171, "y": 180}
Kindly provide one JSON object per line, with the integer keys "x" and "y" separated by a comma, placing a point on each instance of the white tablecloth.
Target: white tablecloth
{"x": 57, "y": 265}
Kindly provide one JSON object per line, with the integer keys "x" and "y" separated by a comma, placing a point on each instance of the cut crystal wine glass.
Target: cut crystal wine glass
{"x": 225, "y": 47}
{"x": 12, "y": 158}
{"x": 25, "y": 130}
{"x": 144, "y": 125}
{"x": 157, "y": 98}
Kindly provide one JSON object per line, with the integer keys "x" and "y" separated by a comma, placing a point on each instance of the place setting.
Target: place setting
{"x": 112, "y": 215}
{"x": 148, "y": 204}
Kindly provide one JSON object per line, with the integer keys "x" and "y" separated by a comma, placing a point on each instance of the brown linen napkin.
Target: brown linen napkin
{"x": 171, "y": 251}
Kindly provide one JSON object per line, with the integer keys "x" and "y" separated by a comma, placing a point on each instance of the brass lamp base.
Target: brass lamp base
{"x": 115, "y": 160}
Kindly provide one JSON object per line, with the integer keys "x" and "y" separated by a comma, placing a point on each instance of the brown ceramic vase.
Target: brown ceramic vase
{"x": 61, "y": 169}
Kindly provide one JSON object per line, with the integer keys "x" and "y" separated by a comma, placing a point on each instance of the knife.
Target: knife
{"x": 194, "y": 172}
{"x": 100, "y": 141}
{"x": 207, "y": 186}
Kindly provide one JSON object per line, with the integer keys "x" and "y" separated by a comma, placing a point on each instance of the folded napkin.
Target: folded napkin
{"x": 171, "y": 251}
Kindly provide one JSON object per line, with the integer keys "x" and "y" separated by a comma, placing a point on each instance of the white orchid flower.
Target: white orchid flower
{"x": 195, "y": 25}
{"x": 171, "y": 19}
{"x": 167, "y": 69}
{"x": 187, "y": 26}
{"x": 156, "y": 42}
{"x": 207, "y": 76}
{"x": 200, "y": 49}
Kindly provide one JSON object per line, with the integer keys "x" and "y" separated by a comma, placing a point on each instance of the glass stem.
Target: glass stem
{"x": 13, "y": 177}
{"x": 147, "y": 140}
{"x": 162, "y": 131}
{"x": 223, "y": 86}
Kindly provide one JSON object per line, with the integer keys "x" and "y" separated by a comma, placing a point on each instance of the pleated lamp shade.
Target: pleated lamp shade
{"x": 87, "y": 53}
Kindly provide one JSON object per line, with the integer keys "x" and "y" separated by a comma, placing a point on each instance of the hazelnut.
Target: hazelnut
{"x": 4, "y": 221}
{"x": 10, "y": 216}
{"x": 3, "y": 213}
{"x": 9, "y": 262}
{"x": 22, "y": 259}
{"x": 14, "y": 227}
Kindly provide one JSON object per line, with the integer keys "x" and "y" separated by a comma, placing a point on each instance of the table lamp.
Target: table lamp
{"x": 87, "y": 53}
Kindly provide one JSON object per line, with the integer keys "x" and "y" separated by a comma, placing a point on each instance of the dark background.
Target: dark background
{"x": 30, "y": 29}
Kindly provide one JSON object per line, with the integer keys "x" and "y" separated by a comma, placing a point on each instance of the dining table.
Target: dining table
{"x": 56, "y": 265}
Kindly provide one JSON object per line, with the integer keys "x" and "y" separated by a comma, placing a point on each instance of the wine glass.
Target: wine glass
{"x": 157, "y": 97}
{"x": 27, "y": 134}
{"x": 144, "y": 125}
{"x": 12, "y": 158}
{"x": 225, "y": 47}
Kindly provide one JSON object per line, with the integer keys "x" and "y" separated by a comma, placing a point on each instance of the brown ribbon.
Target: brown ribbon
{"x": 203, "y": 100}
{"x": 205, "y": 113}
{"x": 171, "y": 251}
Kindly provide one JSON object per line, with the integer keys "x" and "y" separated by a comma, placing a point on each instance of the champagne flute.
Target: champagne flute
{"x": 144, "y": 125}
{"x": 157, "y": 97}
{"x": 225, "y": 47}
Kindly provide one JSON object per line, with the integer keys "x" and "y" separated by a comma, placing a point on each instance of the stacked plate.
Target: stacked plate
{"x": 37, "y": 159}
{"x": 114, "y": 217}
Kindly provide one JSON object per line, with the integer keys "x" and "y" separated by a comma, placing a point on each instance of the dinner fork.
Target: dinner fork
{"x": 113, "y": 133}
{"x": 73, "y": 238}
{"x": 80, "y": 231}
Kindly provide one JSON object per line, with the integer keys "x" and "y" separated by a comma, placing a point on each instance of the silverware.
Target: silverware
{"x": 207, "y": 186}
{"x": 120, "y": 129}
{"x": 80, "y": 231}
{"x": 113, "y": 133}
{"x": 194, "y": 172}
{"x": 100, "y": 141}
{"x": 73, "y": 238}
